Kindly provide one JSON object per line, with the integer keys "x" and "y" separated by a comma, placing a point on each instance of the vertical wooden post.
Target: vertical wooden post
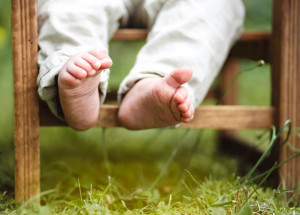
{"x": 27, "y": 163}
{"x": 286, "y": 78}
{"x": 228, "y": 73}
{"x": 228, "y": 93}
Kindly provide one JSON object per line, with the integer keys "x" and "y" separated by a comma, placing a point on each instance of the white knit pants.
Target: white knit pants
{"x": 182, "y": 33}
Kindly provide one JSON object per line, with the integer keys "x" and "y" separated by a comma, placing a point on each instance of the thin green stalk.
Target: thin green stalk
{"x": 104, "y": 152}
{"x": 170, "y": 159}
{"x": 258, "y": 64}
{"x": 276, "y": 166}
{"x": 274, "y": 138}
{"x": 193, "y": 152}
{"x": 258, "y": 186}
{"x": 79, "y": 189}
{"x": 266, "y": 174}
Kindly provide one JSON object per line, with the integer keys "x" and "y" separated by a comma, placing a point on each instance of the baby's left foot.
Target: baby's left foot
{"x": 78, "y": 83}
{"x": 157, "y": 102}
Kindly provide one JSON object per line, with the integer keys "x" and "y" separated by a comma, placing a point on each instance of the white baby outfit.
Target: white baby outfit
{"x": 182, "y": 33}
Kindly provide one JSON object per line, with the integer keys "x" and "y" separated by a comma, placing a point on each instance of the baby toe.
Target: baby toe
{"x": 180, "y": 95}
{"x": 94, "y": 62}
{"x": 76, "y": 71}
{"x": 83, "y": 64}
{"x": 186, "y": 114}
{"x": 185, "y": 106}
{"x": 186, "y": 119}
{"x": 68, "y": 79}
{"x": 98, "y": 53}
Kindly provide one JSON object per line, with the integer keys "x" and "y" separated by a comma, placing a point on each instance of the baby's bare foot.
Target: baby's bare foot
{"x": 78, "y": 82}
{"x": 157, "y": 102}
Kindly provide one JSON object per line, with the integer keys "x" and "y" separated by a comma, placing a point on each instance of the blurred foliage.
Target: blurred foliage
{"x": 258, "y": 14}
{"x": 5, "y": 30}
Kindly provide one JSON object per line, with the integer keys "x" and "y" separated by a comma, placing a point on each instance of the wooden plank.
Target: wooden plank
{"x": 255, "y": 35}
{"x": 229, "y": 93}
{"x": 254, "y": 46}
{"x": 213, "y": 117}
{"x": 27, "y": 163}
{"x": 229, "y": 88}
{"x": 286, "y": 79}
{"x": 227, "y": 117}
{"x": 130, "y": 34}
{"x": 137, "y": 33}
{"x": 251, "y": 45}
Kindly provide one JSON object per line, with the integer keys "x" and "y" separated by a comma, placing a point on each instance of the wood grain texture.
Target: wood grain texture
{"x": 213, "y": 117}
{"x": 229, "y": 87}
{"x": 130, "y": 34}
{"x": 27, "y": 163}
{"x": 251, "y": 45}
{"x": 229, "y": 94}
{"x": 137, "y": 33}
{"x": 286, "y": 79}
{"x": 225, "y": 117}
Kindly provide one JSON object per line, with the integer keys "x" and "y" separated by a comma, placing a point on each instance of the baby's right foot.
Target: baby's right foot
{"x": 78, "y": 82}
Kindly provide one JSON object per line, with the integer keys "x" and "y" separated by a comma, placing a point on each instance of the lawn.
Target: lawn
{"x": 156, "y": 171}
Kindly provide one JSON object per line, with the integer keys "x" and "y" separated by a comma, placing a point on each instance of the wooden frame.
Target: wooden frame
{"x": 27, "y": 160}
{"x": 286, "y": 79}
{"x": 286, "y": 88}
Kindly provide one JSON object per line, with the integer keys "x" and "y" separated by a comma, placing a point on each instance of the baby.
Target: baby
{"x": 187, "y": 44}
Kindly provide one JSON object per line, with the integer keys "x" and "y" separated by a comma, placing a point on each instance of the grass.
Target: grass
{"x": 211, "y": 196}
{"x": 134, "y": 190}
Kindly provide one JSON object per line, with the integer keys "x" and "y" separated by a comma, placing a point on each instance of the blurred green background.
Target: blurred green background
{"x": 126, "y": 155}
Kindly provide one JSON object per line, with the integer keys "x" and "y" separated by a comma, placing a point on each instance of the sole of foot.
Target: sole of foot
{"x": 78, "y": 83}
{"x": 157, "y": 102}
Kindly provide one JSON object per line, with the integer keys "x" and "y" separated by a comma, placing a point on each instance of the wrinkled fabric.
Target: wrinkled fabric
{"x": 182, "y": 33}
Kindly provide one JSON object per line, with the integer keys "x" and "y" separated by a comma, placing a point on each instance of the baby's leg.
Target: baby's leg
{"x": 78, "y": 82}
{"x": 68, "y": 29}
{"x": 195, "y": 34}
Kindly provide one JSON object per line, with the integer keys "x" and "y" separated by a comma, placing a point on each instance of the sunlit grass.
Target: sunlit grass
{"x": 210, "y": 196}
{"x": 151, "y": 184}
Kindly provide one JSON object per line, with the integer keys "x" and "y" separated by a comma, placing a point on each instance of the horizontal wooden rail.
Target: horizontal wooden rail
{"x": 135, "y": 34}
{"x": 212, "y": 117}
{"x": 130, "y": 34}
{"x": 251, "y": 45}
{"x": 225, "y": 117}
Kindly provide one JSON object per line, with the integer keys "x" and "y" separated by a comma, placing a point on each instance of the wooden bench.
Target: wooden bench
{"x": 284, "y": 57}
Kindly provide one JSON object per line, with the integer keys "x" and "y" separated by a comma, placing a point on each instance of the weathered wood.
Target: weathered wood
{"x": 229, "y": 87}
{"x": 228, "y": 93}
{"x": 286, "y": 79}
{"x": 213, "y": 117}
{"x": 136, "y": 33}
{"x": 251, "y": 45}
{"x": 130, "y": 34}
{"x": 232, "y": 117}
{"x": 27, "y": 163}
